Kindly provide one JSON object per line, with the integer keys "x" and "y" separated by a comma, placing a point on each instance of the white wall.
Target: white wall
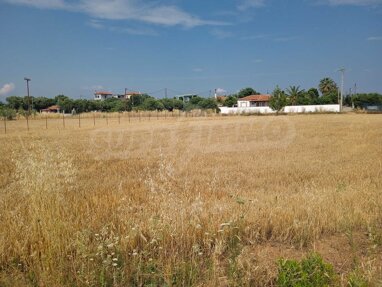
{"x": 242, "y": 104}
{"x": 287, "y": 109}
{"x": 246, "y": 110}
{"x": 312, "y": 109}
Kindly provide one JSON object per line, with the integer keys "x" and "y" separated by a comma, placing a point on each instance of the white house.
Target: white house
{"x": 254, "y": 101}
{"x": 102, "y": 95}
{"x": 128, "y": 95}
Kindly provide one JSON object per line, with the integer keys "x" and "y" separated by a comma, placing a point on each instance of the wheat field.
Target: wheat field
{"x": 203, "y": 201}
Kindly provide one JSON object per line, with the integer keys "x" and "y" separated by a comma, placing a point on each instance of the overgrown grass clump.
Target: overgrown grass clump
{"x": 311, "y": 271}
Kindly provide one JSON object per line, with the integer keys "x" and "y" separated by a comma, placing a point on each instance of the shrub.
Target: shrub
{"x": 309, "y": 272}
{"x": 7, "y": 113}
{"x": 356, "y": 279}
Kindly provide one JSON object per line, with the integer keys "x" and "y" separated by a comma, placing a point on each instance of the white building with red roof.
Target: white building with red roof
{"x": 254, "y": 101}
{"x": 102, "y": 95}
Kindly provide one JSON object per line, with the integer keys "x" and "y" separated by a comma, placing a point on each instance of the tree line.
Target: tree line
{"x": 20, "y": 105}
{"x": 327, "y": 93}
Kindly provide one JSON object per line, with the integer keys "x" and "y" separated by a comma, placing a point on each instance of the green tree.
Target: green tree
{"x": 209, "y": 103}
{"x": 246, "y": 92}
{"x": 80, "y": 105}
{"x": 278, "y": 100}
{"x": 137, "y": 100}
{"x": 151, "y": 104}
{"x": 313, "y": 93}
{"x": 168, "y": 104}
{"x": 40, "y": 103}
{"x": 195, "y": 100}
{"x": 66, "y": 104}
{"x": 327, "y": 85}
{"x": 111, "y": 105}
{"x": 230, "y": 101}
{"x": 6, "y": 112}
{"x": 15, "y": 102}
{"x": 294, "y": 93}
{"x": 178, "y": 104}
{"x": 360, "y": 100}
{"x": 328, "y": 98}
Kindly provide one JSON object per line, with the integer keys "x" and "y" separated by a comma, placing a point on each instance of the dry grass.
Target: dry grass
{"x": 188, "y": 202}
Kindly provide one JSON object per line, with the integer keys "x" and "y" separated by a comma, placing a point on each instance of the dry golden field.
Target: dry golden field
{"x": 202, "y": 201}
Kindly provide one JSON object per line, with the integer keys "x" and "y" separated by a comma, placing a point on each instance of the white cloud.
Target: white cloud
{"x": 220, "y": 92}
{"x": 100, "y": 25}
{"x": 137, "y": 10}
{"x": 6, "y": 89}
{"x": 375, "y": 38}
{"x": 247, "y": 4}
{"x": 253, "y": 37}
{"x": 96, "y": 24}
{"x": 43, "y": 4}
{"x": 221, "y": 34}
{"x": 285, "y": 39}
{"x": 353, "y": 2}
{"x": 134, "y": 31}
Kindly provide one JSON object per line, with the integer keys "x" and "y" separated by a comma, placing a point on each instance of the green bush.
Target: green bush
{"x": 309, "y": 272}
{"x": 7, "y": 113}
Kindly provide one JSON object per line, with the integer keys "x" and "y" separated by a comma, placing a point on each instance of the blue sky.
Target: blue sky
{"x": 74, "y": 47}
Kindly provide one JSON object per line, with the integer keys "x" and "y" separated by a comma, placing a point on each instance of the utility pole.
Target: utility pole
{"x": 355, "y": 94}
{"x": 125, "y": 99}
{"x": 342, "y": 70}
{"x": 29, "y": 99}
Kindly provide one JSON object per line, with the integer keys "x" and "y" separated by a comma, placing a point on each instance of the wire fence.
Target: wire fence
{"x": 94, "y": 119}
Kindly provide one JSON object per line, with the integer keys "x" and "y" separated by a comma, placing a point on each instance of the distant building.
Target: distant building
{"x": 128, "y": 95}
{"x": 254, "y": 101}
{"x": 372, "y": 108}
{"x": 51, "y": 109}
{"x": 102, "y": 95}
{"x": 186, "y": 98}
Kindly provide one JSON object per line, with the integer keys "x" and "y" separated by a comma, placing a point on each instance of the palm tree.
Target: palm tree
{"x": 327, "y": 85}
{"x": 294, "y": 93}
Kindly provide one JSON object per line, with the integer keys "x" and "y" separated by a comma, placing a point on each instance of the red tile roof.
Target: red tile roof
{"x": 256, "y": 98}
{"x": 55, "y": 107}
{"x": 103, "y": 93}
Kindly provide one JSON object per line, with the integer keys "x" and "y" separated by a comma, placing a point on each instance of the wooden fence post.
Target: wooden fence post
{"x": 28, "y": 122}
{"x": 128, "y": 115}
{"x": 93, "y": 119}
{"x": 79, "y": 120}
